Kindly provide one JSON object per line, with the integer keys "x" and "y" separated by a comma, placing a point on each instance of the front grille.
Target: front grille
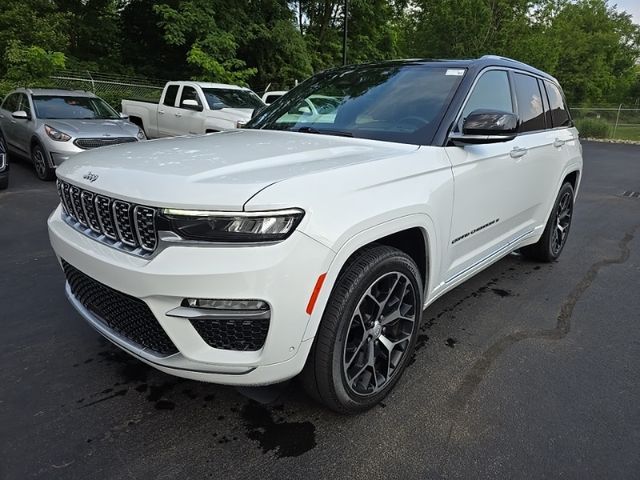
{"x": 117, "y": 223}
{"x": 233, "y": 333}
{"x": 130, "y": 317}
{"x": 89, "y": 143}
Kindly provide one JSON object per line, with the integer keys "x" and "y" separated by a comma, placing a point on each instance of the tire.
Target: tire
{"x": 555, "y": 234}
{"x": 40, "y": 163}
{"x": 340, "y": 372}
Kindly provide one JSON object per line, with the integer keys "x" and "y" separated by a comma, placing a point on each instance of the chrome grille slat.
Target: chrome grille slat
{"x": 103, "y": 211}
{"x": 145, "y": 226}
{"x": 124, "y": 225}
{"x": 62, "y": 199}
{"x": 119, "y": 224}
{"x": 86, "y": 199}
{"x": 66, "y": 197}
{"x": 77, "y": 205}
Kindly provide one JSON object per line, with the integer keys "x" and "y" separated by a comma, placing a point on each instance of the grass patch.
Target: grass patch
{"x": 627, "y": 132}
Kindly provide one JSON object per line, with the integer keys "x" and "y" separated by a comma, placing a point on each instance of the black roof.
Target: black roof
{"x": 476, "y": 64}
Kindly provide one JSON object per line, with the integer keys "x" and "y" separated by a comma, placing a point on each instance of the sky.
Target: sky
{"x": 630, "y": 6}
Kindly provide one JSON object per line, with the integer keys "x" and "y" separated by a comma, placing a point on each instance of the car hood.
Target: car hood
{"x": 94, "y": 128}
{"x": 215, "y": 171}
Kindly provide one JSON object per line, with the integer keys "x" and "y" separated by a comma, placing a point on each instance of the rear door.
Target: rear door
{"x": 489, "y": 211}
{"x": 167, "y": 110}
{"x": 540, "y": 167}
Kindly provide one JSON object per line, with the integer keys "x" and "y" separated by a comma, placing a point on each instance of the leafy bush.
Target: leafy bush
{"x": 592, "y": 127}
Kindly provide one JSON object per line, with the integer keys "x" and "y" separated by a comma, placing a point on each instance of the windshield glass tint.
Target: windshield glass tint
{"x": 68, "y": 107}
{"x": 393, "y": 103}
{"x": 231, "y": 98}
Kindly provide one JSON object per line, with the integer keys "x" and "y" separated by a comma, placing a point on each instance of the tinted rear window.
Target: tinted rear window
{"x": 170, "y": 95}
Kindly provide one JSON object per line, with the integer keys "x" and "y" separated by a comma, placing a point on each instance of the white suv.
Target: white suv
{"x": 310, "y": 242}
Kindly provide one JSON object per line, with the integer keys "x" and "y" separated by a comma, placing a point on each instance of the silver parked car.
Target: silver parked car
{"x": 49, "y": 126}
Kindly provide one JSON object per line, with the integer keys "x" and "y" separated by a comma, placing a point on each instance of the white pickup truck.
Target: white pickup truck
{"x": 193, "y": 108}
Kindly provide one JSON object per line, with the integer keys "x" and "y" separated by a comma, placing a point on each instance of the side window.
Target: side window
{"x": 170, "y": 95}
{"x": 189, "y": 93}
{"x": 545, "y": 103}
{"x": 24, "y": 104}
{"x": 559, "y": 113}
{"x": 491, "y": 92}
{"x": 530, "y": 107}
{"x": 11, "y": 103}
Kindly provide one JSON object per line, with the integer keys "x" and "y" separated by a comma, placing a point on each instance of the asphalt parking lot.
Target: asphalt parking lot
{"x": 526, "y": 371}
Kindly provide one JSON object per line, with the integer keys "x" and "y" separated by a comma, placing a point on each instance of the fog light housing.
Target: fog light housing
{"x": 224, "y": 304}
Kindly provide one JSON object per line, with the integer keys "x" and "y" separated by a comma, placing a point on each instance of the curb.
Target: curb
{"x": 608, "y": 140}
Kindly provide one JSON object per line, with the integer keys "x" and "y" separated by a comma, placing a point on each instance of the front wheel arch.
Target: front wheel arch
{"x": 386, "y": 233}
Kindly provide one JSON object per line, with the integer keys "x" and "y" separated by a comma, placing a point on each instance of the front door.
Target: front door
{"x": 489, "y": 211}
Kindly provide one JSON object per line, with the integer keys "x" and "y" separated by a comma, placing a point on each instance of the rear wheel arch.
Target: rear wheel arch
{"x": 137, "y": 121}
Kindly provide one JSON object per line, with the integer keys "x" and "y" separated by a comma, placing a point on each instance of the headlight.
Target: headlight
{"x": 231, "y": 226}
{"x": 56, "y": 135}
{"x": 141, "y": 135}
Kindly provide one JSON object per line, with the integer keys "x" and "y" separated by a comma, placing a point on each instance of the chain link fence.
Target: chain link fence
{"x": 112, "y": 88}
{"x": 614, "y": 122}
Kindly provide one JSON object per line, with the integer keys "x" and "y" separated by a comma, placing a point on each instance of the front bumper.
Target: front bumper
{"x": 282, "y": 274}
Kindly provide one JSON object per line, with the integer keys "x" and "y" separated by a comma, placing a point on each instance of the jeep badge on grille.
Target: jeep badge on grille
{"x": 92, "y": 177}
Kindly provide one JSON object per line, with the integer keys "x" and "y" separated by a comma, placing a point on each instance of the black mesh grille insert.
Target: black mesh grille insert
{"x": 88, "y": 143}
{"x": 233, "y": 333}
{"x": 128, "y": 316}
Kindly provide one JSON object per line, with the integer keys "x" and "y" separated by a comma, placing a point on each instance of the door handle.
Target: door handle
{"x": 178, "y": 114}
{"x": 518, "y": 152}
{"x": 558, "y": 142}
{"x": 160, "y": 112}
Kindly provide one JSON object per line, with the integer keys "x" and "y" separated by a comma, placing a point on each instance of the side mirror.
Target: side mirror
{"x": 124, "y": 116}
{"x": 486, "y": 126}
{"x": 217, "y": 106}
{"x": 191, "y": 105}
{"x": 21, "y": 115}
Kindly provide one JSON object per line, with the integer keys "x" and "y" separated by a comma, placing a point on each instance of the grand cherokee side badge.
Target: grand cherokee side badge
{"x": 92, "y": 177}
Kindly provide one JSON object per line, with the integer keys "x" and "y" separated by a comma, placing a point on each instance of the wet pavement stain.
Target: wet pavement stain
{"x": 285, "y": 439}
{"x": 479, "y": 370}
{"x": 501, "y": 292}
{"x": 450, "y": 342}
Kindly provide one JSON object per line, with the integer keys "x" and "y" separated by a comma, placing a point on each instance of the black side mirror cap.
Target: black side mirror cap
{"x": 487, "y": 126}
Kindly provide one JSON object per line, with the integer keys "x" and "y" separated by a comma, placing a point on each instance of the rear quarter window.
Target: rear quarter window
{"x": 559, "y": 112}
{"x": 170, "y": 95}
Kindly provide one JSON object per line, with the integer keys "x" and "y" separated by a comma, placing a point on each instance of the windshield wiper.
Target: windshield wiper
{"x": 339, "y": 133}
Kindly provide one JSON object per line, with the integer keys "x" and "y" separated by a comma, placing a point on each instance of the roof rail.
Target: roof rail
{"x": 500, "y": 57}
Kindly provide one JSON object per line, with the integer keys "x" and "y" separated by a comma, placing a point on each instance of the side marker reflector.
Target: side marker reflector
{"x": 315, "y": 293}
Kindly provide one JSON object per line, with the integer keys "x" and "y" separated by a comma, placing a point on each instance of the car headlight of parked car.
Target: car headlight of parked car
{"x": 56, "y": 135}
{"x": 230, "y": 227}
{"x": 141, "y": 135}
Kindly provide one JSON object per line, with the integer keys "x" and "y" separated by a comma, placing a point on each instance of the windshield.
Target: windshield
{"x": 397, "y": 103}
{"x": 73, "y": 108}
{"x": 231, "y": 98}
